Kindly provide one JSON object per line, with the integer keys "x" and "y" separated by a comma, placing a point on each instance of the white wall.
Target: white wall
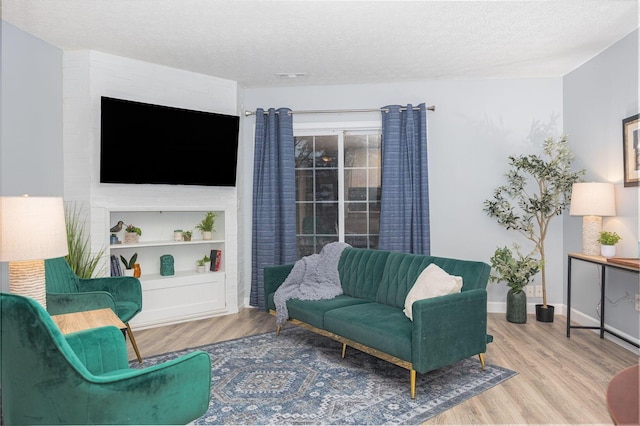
{"x": 475, "y": 126}
{"x": 88, "y": 75}
{"x": 597, "y": 97}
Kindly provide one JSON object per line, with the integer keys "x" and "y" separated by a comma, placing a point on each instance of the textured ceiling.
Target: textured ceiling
{"x": 336, "y": 42}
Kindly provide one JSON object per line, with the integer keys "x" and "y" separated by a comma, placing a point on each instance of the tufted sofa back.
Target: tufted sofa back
{"x": 387, "y": 277}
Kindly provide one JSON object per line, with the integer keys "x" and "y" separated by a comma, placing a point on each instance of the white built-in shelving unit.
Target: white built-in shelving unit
{"x": 188, "y": 294}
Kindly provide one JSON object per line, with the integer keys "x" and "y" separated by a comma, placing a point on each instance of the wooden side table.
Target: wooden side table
{"x": 85, "y": 320}
{"x": 622, "y": 397}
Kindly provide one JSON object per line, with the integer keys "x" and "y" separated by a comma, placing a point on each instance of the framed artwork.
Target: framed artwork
{"x": 631, "y": 147}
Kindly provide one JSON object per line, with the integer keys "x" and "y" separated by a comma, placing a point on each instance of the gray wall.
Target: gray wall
{"x": 31, "y": 114}
{"x": 597, "y": 97}
{"x": 30, "y": 119}
{"x": 476, "y": 125}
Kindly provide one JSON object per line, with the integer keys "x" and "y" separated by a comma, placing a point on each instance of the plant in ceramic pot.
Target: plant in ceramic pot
{"x": 608, "y": 241}
{"x": 186, "y": 235}
{"x": 132, "y": 234}
{"x": 201, "y": 264}
{"x": 537, "y": 190}
{"x": 516, "y": 271}
{"x": 206, "y": 225}
{"x": 128, "y": 264}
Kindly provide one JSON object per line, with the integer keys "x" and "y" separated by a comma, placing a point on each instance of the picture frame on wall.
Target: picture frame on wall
{"x": 631, "y": 150}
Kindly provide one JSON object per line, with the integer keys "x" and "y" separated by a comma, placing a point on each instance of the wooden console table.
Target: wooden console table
{"x": 631, "y": 265}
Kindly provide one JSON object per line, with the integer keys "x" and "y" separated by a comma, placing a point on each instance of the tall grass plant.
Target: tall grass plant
{"x": 80, "y": 258}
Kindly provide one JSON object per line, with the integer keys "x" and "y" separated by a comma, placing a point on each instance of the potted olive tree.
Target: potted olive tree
{"x": 537, "y": 190}
{"x": 516, "y": 271}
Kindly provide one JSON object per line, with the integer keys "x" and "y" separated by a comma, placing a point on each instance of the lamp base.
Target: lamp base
{"x": 591, "y": 227}
{"x": 27, "y": 279}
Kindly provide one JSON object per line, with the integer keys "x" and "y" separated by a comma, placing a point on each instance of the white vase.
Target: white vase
{"x": 207, "y": 235}
{"x": 608, "y": 251}
{"x": 177, "y": 235}
{"x": 200, "y": 268}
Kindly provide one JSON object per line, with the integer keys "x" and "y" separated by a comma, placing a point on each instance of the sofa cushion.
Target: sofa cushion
{"x": 433, "y": 281}
{"x": 361, "y": 271}
{"x": 312, "y": 311}
{"x": 375, "y": 325}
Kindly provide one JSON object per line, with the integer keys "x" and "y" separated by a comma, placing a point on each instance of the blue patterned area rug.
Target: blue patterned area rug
{"x": 299, "y": 377}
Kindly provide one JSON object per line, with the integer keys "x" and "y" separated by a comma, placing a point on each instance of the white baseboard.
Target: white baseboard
{"x": 501, "y": 308}
{"x": 580, "y": 318}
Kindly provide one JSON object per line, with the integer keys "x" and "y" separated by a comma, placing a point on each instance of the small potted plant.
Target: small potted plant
{"x": 516, "y": 271}
{"x": 206, "y": 226}
{"x": 128, "y": 265}
{"x": 186, "y": 235}
{"x": 131, "y": 234}
{"x": 207, "y": 262}
{"x": 608, "y": 241}
{"x": 201, "y": 267}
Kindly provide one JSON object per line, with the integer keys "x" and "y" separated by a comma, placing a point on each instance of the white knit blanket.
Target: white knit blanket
{"x": 313, "y": 277}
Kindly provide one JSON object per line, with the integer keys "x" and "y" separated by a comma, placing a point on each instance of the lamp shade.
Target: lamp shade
{"x": 592, "y": 199}
{"x": 32, "y": 228}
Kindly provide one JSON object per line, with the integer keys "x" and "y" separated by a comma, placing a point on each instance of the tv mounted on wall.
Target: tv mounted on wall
{"x": 154, "y": 144}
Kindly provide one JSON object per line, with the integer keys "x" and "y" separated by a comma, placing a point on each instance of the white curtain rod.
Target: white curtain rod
{"x": 337, "y": 111}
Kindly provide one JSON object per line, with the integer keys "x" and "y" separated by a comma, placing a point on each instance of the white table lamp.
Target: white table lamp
{"x": 592, "y": 200}
{"x": 31, "y": 229}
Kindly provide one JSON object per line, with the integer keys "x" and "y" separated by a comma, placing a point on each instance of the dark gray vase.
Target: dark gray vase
{"x": 516, "y": 307}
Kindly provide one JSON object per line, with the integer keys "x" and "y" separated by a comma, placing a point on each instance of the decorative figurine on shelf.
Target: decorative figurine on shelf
{"x": 117, "y": 227}
{"x": 166, "y": 265}
{"x": 113, "y": 239}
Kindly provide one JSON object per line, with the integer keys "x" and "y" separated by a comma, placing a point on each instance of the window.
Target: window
{"x": 337, "y": 188}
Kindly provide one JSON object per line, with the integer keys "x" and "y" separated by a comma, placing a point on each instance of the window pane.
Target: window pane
{"x": 356, "y": 219}
{"x": 327, "y": 218}
{"x": 305, "y": 218}
{"x": 327, "y": 185}
{"x": 326, "y": 151}
{"x": 303, "y": 151}
{"x": 304, "y": 185}
{"x": 359, "y": 242}
{"x": 355, "y": 151}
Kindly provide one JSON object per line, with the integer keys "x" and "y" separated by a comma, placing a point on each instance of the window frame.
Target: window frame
{"x": 340, "y": 129}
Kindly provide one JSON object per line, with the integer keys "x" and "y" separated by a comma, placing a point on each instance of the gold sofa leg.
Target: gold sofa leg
{"x": 413, "y": 384}
{"x": 278, "y": 329}
{"x": 344, "y": 350}
{"x": 481, "y": 356}
{"x": 133, "y": 343}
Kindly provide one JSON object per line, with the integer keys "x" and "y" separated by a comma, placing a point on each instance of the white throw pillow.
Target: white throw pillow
{"x": 433, "y": 281}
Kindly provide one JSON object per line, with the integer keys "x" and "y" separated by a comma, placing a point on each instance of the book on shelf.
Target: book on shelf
{"x": 116, "y": 269}
{"x": 216, "y": 257}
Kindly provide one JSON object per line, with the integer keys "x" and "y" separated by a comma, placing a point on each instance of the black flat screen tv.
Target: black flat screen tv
{"x": 142, "y": 143}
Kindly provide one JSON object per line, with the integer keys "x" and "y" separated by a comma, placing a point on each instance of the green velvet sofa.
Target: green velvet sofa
{"x": 369, "y": 315}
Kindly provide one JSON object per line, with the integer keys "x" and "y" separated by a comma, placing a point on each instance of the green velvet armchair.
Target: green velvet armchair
{"x": 84, "y": 377}
{"x": 66, "y": 293}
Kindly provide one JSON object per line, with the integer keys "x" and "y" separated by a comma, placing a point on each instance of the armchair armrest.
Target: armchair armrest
{"x": 64, "y": 303}
{"x": 122, "y": 288}
{"x": 274, "y": 276}
{"x": 174, "y": 392}
{"x": 100, "y": 350}
{"x": 448, "y": 328}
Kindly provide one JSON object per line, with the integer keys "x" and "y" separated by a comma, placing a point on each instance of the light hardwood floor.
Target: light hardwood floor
{"x": 559, "y": 381}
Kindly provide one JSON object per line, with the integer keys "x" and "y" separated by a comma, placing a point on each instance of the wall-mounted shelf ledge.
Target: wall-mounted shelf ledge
{"x": 162, "y": 243}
